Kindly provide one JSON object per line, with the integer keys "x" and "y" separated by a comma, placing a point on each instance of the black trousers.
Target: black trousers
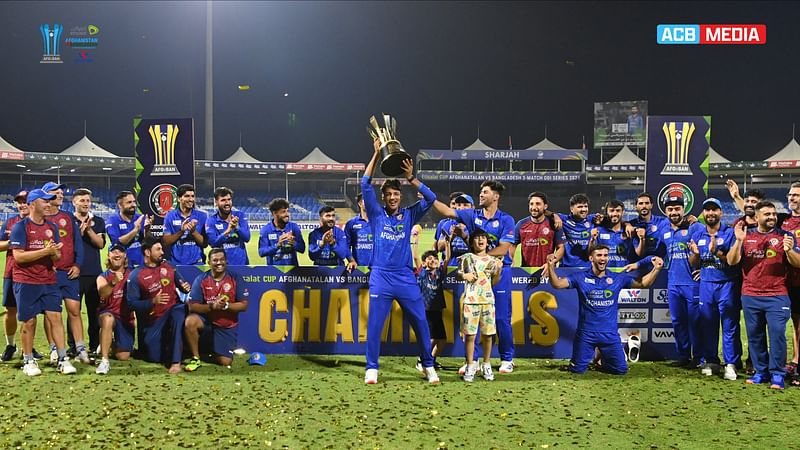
{"x": 90, "y": 296}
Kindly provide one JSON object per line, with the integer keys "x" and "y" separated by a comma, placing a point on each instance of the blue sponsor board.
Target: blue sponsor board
{"x": 321, "y": 310}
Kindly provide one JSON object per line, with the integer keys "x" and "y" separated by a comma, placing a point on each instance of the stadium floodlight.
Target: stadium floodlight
{"x": 72, "y": 170}
{"x": 21, "y": 166}
{"x": 107, "y": 168}
{"x": 291, "y": 173}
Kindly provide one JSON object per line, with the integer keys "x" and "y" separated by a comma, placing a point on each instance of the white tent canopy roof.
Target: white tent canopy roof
{"x": 85, "y": 147}
{"x": 546, "y": 144}
{"x": 241, "y": 155}
{"x": 625, "y": 157}
{"x": 478, "y": 145}
{"x": 317, "y": 156}
{"x": 716, "y": 158}
{"x": 791, "y": 152}
{"x": 5, "y": 146}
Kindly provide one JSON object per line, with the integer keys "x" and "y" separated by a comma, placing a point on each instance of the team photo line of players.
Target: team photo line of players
{"x": 714, "y": 272}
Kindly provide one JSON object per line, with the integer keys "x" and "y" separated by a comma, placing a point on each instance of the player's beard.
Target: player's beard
{"x": 675, "y": 219}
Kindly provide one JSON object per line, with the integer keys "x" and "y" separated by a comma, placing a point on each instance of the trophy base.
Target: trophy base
{"x": 164, "y": 170}
{"x": 392, "y": 165}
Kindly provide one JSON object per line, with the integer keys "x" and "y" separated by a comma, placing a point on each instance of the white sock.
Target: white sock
{"x": 10, "y": 339}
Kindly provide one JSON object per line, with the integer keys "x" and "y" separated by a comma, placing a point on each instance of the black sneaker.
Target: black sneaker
{"x": 8, "y": 353}
{"x": 37, "y": 356}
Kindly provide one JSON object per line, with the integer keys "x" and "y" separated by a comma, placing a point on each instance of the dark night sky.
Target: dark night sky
{"x": 441, "y": 68}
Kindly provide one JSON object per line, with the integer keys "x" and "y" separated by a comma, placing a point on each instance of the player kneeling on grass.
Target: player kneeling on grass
{"x": 216, "y": 299}
{"x": 598, "y": 291}
{"x": 480, "y": 271}
{"x": 152, "y": 291}
{"x": 115, "y": 317}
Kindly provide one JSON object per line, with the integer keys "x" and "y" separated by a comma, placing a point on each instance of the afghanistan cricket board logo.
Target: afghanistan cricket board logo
{"x": 164, "y": 137}
{"x": 678, "y": 136}
{"x": 163, "y": 199}
{"x": 676, "y": 190}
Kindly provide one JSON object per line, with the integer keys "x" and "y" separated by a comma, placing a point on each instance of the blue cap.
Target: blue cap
{"x": 257, "y": 359}
{"x": 465, "y": 198}
{"x": 52, "y": 186}
{"x": 37, "y": 194}
{"x": 117, "y": 246}
{"x": 712, "y": 201}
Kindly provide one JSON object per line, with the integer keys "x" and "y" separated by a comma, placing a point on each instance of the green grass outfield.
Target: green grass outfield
{"x": 321, "y": 402}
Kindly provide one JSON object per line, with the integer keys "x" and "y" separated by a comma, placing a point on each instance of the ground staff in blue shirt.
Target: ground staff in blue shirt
{"x": 720, "y": 286}
{"x": 228, "y": 228}
{"x": 500, "y": 228}
{"x": 392, "y": 275}
{"x": 683, "y": 293}
{"x": 598, "y": 293}
{"x": 359, "y": 235}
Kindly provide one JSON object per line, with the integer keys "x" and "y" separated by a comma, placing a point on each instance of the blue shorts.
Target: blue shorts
{"x": 9, "y": 301}
{"x": 36, "y": 299}
{"x": 221, "y": 341}
{"x": 70, "y": 289}
{"x": 123, "y": 333}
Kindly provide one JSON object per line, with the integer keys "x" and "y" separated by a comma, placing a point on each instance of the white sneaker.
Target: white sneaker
{"x": 506, "y": 367}
{"x": 469, "y": 373}
{"x": 31, "y": 368}
{"x": 463, "y": 368}
{"x": 730, "y": 372}
{"x": 419, "y": 367}
{"x": 430, "y": 374}
{"x": 66, "y": 367}
{"x": 371, "y": 377}
{"x": 103, "y": 367}
{"x": 53, "y": 357}
{"x": 83, "y": 357}
{"x": 709, "y": 369}
{"x": 486, "y": 372}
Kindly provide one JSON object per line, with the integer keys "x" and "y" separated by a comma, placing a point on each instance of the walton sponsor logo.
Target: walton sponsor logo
{"x": 634, "y": 296}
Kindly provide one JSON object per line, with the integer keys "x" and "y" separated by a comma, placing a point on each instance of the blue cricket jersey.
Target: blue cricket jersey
{"x": 116, "y": 226}
{"x": 457, "y": 245}
{"x": 499, "y": 227}
{"x": 712, "y": 267}
{"x": 654, "y": 232}
{"x": 392, "y": 234}
{"x": 359, "y": 238}
{"x": 620, "y": 246}
{"x": 577, "y": 234}
{"x": 677, "y": 259}
{"x": 284, "y": 254}
{"x": 327, "y": 254}
{"x": 233, "y": 243}
{"x": 597, "y": 310}
{"x": 185, "y": 251}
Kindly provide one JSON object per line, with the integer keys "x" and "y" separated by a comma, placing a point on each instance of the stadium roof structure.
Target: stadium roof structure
{"x": 546, "y": 144}
{"x": 6, "y": 146}
{"x": 716, "y": 158}
{"x": 625, "y": 157}
{"x": 85, "y": 147}
{"x": 241, "y": 155}
{"x": 317, "y": 161}
{"x": 478, "y": 145}
{"x": 791, "y": 152}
